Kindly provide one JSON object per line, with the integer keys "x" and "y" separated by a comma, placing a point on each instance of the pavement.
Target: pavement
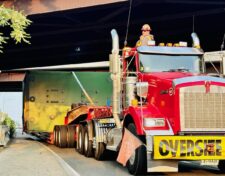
{"x": 25, "y": 156}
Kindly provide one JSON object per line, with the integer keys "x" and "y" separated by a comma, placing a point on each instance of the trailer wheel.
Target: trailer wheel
{"x": 70, "y": 136}
{"x": 80, "y": 140}
{"x": 56, "y": 135}
{"x": 62, "y": 136}
{"x": 137, "y": 164}
{"x": 87, "y": 144}
{"x": 221, "y": 166}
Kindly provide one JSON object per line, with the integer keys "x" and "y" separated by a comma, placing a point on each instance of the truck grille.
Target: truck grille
{"x": 201, "y": 111}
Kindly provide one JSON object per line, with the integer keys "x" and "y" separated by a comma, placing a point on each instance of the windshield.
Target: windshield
{"x": 159, "y": 63}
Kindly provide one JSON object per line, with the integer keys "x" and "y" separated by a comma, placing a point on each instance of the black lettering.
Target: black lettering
{"x": 199, "y": 148}
{"x": 190, "y": 148}
{"x": 174, "y": 147}
{"x": 182, "y": 148}
{"x": 218, "y": 148}
{"x": 211, "y": 147}
{"x": 161, "y": 146}
{"x": 205, "y": 149}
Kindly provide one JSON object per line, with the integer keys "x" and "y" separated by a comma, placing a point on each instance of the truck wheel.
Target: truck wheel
{"x": 87, "y": 143}
{"x": 80, "y": 140}
{"x": 56, "y": 135}
{"x": 62, "y": 136}
{"x": 99, "y": 151}
{"x": 221, "y": 166}
{"x": 70, "y": 136}
{"x": 137, "y": 164}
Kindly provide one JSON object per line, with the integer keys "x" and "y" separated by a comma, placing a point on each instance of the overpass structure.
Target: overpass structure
{"x": 70, "y": 32}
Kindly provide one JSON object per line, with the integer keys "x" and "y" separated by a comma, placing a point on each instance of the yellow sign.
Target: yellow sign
{"x": 189, "y": 147}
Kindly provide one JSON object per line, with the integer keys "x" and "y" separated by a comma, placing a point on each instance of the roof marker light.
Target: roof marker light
{"x": 161, "y": 44}
{"x": 169, "y": 44}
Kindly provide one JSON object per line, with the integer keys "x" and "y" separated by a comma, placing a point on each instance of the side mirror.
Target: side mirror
{"x": 142, "y": 89}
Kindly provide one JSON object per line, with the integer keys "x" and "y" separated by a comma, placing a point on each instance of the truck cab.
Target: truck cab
{"x": 151, "y": 70}
{"x": 166, "y": 95}
{"x": 161, "y": 95}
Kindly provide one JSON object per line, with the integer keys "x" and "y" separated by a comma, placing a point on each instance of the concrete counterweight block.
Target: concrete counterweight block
{"x": 4, "y": 135}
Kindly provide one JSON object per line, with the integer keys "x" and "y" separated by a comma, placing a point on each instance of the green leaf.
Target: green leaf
{"x": 18, "y": 22}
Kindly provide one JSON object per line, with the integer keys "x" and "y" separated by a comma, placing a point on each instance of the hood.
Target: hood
{"x": 177, "y": 78}
{"x": 166, "y": 76}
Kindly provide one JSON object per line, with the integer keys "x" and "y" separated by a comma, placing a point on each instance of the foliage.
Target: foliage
{"x": 18, "y": 23}
{"x": 11, "y": 124}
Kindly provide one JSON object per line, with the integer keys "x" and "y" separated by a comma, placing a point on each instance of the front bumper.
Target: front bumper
{"x": 164, "y": 152}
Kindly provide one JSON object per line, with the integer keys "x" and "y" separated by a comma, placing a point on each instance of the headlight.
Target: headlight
{"x": 154, "y": 122}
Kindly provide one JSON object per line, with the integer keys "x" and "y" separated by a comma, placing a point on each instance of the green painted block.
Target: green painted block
{"x": 48, "y": 96}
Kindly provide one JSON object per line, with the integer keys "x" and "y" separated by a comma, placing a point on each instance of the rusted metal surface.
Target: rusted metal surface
{"x": 12, "y": 77}
{"x": 76, "y": 112}
{"x": 43, "y": 6}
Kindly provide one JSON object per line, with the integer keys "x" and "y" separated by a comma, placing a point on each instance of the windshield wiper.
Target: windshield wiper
{"x": 178, "y": 70}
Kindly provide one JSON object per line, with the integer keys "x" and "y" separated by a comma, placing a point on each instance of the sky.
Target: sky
{"x": 11, "y": 103}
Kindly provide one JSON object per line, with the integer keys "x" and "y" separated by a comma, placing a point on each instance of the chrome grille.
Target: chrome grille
{"x": 201, "y": 111}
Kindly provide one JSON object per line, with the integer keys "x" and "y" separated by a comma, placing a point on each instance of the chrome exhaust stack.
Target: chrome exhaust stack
{"x": 115, "y": 70}
{"x": 195, "y": 39}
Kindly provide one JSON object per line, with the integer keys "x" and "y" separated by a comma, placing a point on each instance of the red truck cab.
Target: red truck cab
{"x": 162, "y": 96}
{"x": 167, "y": 94}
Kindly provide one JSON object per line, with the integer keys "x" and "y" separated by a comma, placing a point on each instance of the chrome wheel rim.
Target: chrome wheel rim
{"x": 86, "y": 141}
{"x": 80, "y": 140}
{"x": 59, "y": 138}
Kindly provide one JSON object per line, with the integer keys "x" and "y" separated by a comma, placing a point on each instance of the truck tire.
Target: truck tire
{"x": 56, "y": 135}
{"x": 88, "y": 149}
{"x": 137, "y": 164}
{"x": 99, "y": 151}
{"x": 221, "y": 166}
{"x": 70, "y": 136}
{"x": 80, "y": 139}
{"x": 63, "y": 136}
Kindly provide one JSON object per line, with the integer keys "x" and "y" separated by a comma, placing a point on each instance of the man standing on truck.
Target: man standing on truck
{"x": 146, "y": 36}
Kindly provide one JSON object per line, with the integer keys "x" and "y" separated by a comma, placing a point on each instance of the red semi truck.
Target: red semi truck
{"x": 162, "y": 96}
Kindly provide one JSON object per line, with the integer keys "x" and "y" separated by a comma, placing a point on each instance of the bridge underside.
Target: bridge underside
{"x": 82, "y": 34}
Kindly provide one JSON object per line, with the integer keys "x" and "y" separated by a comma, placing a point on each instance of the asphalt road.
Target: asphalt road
{"x": 89, "y": 166}
{"x": 30, "y": 151}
